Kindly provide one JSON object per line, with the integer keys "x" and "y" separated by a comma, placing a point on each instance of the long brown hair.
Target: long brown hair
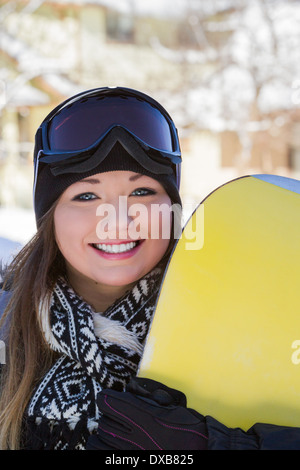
{"x": 30, "y": 277}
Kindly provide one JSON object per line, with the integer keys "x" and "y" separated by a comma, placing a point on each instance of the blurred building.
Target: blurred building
{"x": 183, "y": 53}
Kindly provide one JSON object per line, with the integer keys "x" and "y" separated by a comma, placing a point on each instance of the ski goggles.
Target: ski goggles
{"x": 79, "y": 133}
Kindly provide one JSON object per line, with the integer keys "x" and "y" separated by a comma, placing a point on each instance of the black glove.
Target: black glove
{"x": 147, "y": 416}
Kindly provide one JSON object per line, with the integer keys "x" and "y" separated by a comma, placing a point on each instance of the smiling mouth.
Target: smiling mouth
{"x": 116, "y": 248}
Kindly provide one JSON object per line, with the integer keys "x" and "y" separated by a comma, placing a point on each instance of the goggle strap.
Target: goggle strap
{"x": 116, "y": 135}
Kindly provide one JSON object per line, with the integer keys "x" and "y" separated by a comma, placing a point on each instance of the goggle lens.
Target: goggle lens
{"x": 83, "y": 122}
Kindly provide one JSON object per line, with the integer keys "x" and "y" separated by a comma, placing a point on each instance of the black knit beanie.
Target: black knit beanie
{"x": 50, "y": 187}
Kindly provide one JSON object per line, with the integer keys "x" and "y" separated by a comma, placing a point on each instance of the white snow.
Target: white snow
{"x": 17, "y": 226}
{"x": 7, "y": 249}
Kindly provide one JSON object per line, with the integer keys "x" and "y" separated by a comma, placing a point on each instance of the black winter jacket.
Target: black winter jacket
{"x": 259, "y": 437}
{"x": 4, "y": 299}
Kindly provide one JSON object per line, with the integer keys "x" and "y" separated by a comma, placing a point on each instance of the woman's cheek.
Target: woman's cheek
{"x": 150, "y": 221}
{"x": 160, "y": 222}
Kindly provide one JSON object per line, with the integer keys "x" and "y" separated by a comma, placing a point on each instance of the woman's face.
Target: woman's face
{"x": 113, "y": 228}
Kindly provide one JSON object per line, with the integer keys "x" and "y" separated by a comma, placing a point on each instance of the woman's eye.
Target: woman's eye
{"x": 142, "y": 192}
{"x": 85, "y": 197}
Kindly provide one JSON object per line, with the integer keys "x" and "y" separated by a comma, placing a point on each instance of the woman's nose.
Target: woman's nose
{"x": 115, "y": 219}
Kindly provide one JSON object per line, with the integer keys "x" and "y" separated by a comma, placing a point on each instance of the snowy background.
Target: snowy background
{"x": 16, "y": 228}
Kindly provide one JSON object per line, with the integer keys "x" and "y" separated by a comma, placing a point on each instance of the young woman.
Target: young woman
{"x": 79, "y": 298}
{"x": 81, "y": 294}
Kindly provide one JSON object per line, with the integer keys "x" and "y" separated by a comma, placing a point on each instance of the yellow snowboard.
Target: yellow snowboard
{"x": 226, "y": 330}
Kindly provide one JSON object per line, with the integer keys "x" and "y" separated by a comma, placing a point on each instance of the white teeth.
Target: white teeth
{"x": 120, "y": 248}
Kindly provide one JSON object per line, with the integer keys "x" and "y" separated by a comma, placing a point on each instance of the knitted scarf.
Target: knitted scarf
{"x": 96, "y": 351}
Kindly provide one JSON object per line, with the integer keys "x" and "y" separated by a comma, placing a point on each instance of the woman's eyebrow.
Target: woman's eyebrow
{"x": 90, "y": 180}
{"x": 97, "y": 181}
{"x": 135, "y": 177}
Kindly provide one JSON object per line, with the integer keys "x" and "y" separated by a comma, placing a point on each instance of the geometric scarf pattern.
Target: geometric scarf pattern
{"x": 62, "y": 411}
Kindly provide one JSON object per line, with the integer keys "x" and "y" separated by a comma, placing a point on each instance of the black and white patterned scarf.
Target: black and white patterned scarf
{"x": 96, "y": 351}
